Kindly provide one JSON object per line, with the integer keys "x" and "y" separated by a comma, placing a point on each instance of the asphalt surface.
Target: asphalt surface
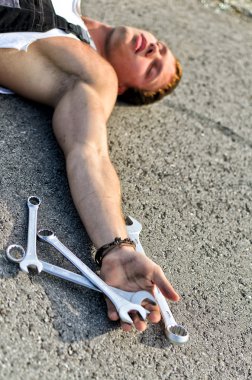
{"x": 186, "y": 170}
{"x": 243, "y": 7}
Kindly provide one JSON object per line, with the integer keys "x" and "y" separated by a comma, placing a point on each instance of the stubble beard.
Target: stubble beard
{"x": 109, "y": 45}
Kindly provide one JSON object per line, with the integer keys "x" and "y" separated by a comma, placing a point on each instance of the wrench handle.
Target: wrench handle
{"x": 164, "y": 309}
{"x": 32, "y": 229}
{"x": 162, "y": 303}
{"x": 68, "y": 275}
{"x": 86, "y": 271}
{"x": 78, "y": 278}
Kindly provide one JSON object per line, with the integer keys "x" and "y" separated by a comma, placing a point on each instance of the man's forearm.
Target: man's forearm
{"x": 96, "y": 193}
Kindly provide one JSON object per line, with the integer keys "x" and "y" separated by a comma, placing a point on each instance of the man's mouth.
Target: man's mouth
{"x": 141, "y": 43}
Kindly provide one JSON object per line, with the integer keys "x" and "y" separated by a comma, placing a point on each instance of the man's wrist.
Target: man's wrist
{"x": 116, "y": 243}
{"x": 116, "y": 255}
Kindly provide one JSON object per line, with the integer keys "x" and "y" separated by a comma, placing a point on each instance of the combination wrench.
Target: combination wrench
{"x": 177, "y": 334}
{"x": 31, "y": 259}
{"x": 122, "y": 305}
{"x": 16, "y": 254}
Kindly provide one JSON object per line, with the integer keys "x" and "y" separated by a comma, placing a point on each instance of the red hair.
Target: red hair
{"x": 141, "y": 97}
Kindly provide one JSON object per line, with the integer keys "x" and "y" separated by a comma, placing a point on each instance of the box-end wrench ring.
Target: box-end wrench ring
{"x": 16, "y": 254}
{"x": 123, "y": 306}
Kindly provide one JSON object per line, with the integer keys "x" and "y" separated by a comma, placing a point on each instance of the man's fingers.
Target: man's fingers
{"x": 112, "y": 313}
{"x": 164, "y": 285}
{"x": 154, "y": 316}
{"x": 140, "y": 325}
{"x": 126, "y": 327}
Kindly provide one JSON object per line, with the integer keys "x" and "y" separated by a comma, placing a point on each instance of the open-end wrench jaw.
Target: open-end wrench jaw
{"x": 34, "y": 264}
{"x": 143, "y": 295}
{"x": 123, "y": 311}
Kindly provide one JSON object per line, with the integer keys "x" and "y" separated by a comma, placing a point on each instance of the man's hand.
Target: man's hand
{"x": 129, "y": 270}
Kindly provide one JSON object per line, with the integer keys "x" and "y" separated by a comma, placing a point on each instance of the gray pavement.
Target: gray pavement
{"x": 242, "y": 7}
{"x": 186, "y": 171}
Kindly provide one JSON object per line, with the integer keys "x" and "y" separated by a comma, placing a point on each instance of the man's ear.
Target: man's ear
{"x": 121, "y": 89}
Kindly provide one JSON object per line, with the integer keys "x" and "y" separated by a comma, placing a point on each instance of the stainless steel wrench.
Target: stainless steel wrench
{"x": 16, "y": 254}
{"x": 122, "y": 305}
{"x": 177, "y": 334}
{"x": 31, "y": 259}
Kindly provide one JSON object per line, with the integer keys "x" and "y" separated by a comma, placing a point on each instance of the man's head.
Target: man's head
{"x": 145, "y": 67}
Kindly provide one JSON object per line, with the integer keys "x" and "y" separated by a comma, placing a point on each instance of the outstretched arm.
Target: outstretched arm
{"x": 80, "y": 127}
{"x": 82, "y": 88}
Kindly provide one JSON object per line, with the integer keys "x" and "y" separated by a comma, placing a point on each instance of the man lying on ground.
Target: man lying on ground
{"x": 49, "y": 53}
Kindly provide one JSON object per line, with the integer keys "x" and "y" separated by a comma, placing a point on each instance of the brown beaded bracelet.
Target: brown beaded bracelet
{"x": 118, "y": 242}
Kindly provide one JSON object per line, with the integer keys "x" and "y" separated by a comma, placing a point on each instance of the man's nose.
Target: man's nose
{"x": 152, "y": 49}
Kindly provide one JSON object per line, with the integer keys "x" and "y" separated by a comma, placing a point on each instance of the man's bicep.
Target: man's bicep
{"x": 80, "y": 119}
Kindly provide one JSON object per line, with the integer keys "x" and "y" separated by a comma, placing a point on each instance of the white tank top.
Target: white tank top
{"x": 69, "y": 9}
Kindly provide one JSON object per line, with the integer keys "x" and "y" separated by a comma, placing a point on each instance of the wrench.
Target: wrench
{"x": 31, "y": 259}
{"x": 122, "y": 306}
{"x": 133, "y": 229}
{"x": 16, "y": 254}
{"x": 177, "y": 334}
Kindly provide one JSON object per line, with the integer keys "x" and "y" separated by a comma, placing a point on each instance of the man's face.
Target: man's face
{"x": 139, "y": 59}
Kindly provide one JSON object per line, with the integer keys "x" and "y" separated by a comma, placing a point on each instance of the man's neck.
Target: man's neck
{"x": 99, "y": 33}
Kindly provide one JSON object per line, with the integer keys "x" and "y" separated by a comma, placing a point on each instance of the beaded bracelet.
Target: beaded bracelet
{"x": 118, "y": 242}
